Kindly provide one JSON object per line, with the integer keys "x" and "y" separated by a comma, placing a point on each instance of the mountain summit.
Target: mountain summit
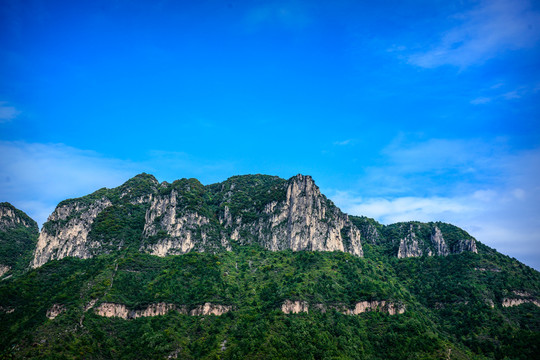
{"x": 170, "y": 219}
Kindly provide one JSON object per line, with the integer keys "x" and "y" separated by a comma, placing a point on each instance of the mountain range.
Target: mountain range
{"x": 253, "y": 267}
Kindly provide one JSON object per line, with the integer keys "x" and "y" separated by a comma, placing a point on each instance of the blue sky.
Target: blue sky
{"x": 407, "y": 110}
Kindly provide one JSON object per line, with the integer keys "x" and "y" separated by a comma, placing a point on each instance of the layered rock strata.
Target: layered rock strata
{"x": 295, "y": 307}
{"x": 158, "y": 309}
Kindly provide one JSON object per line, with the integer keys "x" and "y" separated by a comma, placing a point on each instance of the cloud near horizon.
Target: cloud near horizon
{"x": 497, "y": 200}
{"x": 35, "y": 177}
{"x": 491, "y": 193}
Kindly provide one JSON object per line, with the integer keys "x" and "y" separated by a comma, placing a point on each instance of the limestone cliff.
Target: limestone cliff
{"x": 276, "y": 214}
{"x": 66, "y": 231}
{"x": 99, "y": 223}
{"x": 414, "y": 239}
{"x": 158, "y": 309}
{"x": 295, "y": 307}
{"x": 18, "y": 235}
{"x": 297, "y": 217}
{"x": 179, "y": 221}
{"x": 12, "y": 218}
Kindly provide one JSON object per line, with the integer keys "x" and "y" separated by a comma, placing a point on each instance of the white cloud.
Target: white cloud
{"x": 7, "y": 113}
{"x": 497, "y": 202}
{"x": 494, "y": 27}
{"x": 36, "y": 177}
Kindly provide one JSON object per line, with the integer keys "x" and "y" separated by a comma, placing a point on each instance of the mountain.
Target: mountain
{"x": 255, "y": 267}
{"x": 172, "y": 219}
{"x": 18, "y": 235}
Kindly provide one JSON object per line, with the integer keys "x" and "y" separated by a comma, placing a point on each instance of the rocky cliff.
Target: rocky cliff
{"x": 18, "y": 234}
{"x": 284, "y": 215}
{"x": 171, "y": 219}
{"x": 415, "y": 239}
{"x": 143, "y": 215}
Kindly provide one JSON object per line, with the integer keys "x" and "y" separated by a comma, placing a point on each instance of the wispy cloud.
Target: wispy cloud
{"x": 343, "y": 142}
{"x": 7, "y": 113}
{"x": 495, "y": 26}
{"x": 493, "y": 193}
{"x": 36, "y": 177}
{"x": 499, "y": 92}
{"x": 481, "y": 100}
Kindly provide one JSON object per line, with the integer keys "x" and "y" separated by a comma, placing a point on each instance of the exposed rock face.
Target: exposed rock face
{"x": 276, "y": 214}
{"x": 11, "y": 218}
{"x": 121, "y": 311}
{"x": 180, "y": 234}
{"x": 382, "y": 306}
{"x": 295, "y": 307}
{"x": 303, "y": 220}
{"x": 67, "y": 231}
{"x": 421, "y": 239}
{"x": 438, "y": 242}
{"x": 408, "y": 246}
{"x": 112, "y": 310}
{"x": 4, "y": 269}
{"x": 55, "y": 310}
{"x": 210, "y": 309}
{"x": 507, "y": 302}
{"x": 465, "y": 245}
{"x": 18, "y": 237}
{"x": 369, "y": 229}
{"x": 6, "y": 310}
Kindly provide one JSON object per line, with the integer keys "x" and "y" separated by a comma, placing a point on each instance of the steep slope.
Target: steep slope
{"x": 172, "y": 219}
{"x": 252, "y": 303}
{"x": 278, "y": 215}
{"x": 81, "y": 228}
{"x": 18, "y": 235}
{"x": 415, "y": 239}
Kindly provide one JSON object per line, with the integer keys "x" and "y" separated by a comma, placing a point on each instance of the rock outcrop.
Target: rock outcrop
{"x": 276, "y": 214}
{"x": 176, "y": 230}
{"x": 4, "y": 269}
{"x": 11, "y": 218}
{"x": 66, "y": 231}
{"x": 507, "y": 302}
{"x": 295, "y": 307}
{"x": 18, "y": 235}
{"x": 409, "y": 246}
{"x": 158, "y": 309}
{"x": 300, "y": 218}
{"x": 55, "y": 310}
{"x": 437, "y": 240}
{"x": 421, "y": 239}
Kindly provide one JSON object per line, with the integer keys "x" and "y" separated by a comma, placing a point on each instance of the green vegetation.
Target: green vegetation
{"x": 454, "y": 304}
{"x": 17, "y": 242}
{"x": 448, "y": 312}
